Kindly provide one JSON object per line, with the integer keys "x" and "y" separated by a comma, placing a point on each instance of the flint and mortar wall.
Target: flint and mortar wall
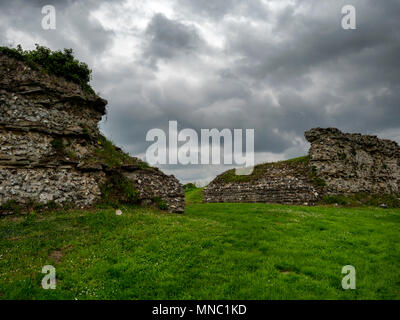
{"x": 155, "y": 184}
{"x": 353, "y": 163}
{"x": 280, "y": 183}
{"x": 338, "y": 163}
{"x": 41, "y": 113}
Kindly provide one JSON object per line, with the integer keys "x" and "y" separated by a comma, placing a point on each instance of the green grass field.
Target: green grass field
{"x": 213, "y": 251}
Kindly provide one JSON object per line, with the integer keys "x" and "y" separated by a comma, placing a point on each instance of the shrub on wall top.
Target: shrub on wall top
{"x": 59, "y": 63}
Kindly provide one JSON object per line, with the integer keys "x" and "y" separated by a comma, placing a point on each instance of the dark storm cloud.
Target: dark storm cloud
{"x": 274, "y": 66}
{"x": 302, "y": 43}
{"x": 306, "y": 44}
{"x": 167, "y": 39}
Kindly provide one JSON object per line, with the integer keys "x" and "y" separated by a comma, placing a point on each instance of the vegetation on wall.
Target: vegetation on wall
{"x": 59, "y": 63}
{"x": 10, "y": 207}
{"x": 13, "y": 207}
{"x": 302, "y": 163}
{"x": 58, "y": 144}
{"x": 160, "y": 203}
{"x": 118, "y": 189}
{"x": 315, "y": 180}
{"x": 105, "y": 152}
{"x": 259, "y": 170}
{"x": 115, "y": 157}
{"x": 363, "y": 199}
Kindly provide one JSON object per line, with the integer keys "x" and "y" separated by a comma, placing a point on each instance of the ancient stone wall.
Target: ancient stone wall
{"x": 338, "y": 163}
{"x": 154, "y": 184}
{"x": 284, "y": 182}
{"x": 51, "y": 148}
{"x": 353, "y": 163}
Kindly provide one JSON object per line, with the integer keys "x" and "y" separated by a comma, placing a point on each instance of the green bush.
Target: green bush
{"x": 59, "y": 63}
{"x": 189, "y": 186}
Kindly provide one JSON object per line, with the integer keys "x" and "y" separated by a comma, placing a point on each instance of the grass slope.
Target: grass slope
{"x": 194, "y": 196}
{"x": 214, "y": 251}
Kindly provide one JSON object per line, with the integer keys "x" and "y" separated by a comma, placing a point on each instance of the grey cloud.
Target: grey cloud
{"x": 217, "y": 9}
{"x": 167, "y": 39}
{"x": 75, "y": 27}
{"x": 307, "y": 42}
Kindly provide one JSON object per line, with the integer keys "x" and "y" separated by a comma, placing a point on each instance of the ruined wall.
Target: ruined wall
{"x": 284, "y": 182}
{"x": 154, "y": 184}
{"x": 338, "y": 163}
{"x": 353, "y": 163}
{"x": 50, "y": 144}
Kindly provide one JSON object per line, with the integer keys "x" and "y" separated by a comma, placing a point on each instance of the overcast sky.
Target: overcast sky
{"x": 278, "y": 66}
